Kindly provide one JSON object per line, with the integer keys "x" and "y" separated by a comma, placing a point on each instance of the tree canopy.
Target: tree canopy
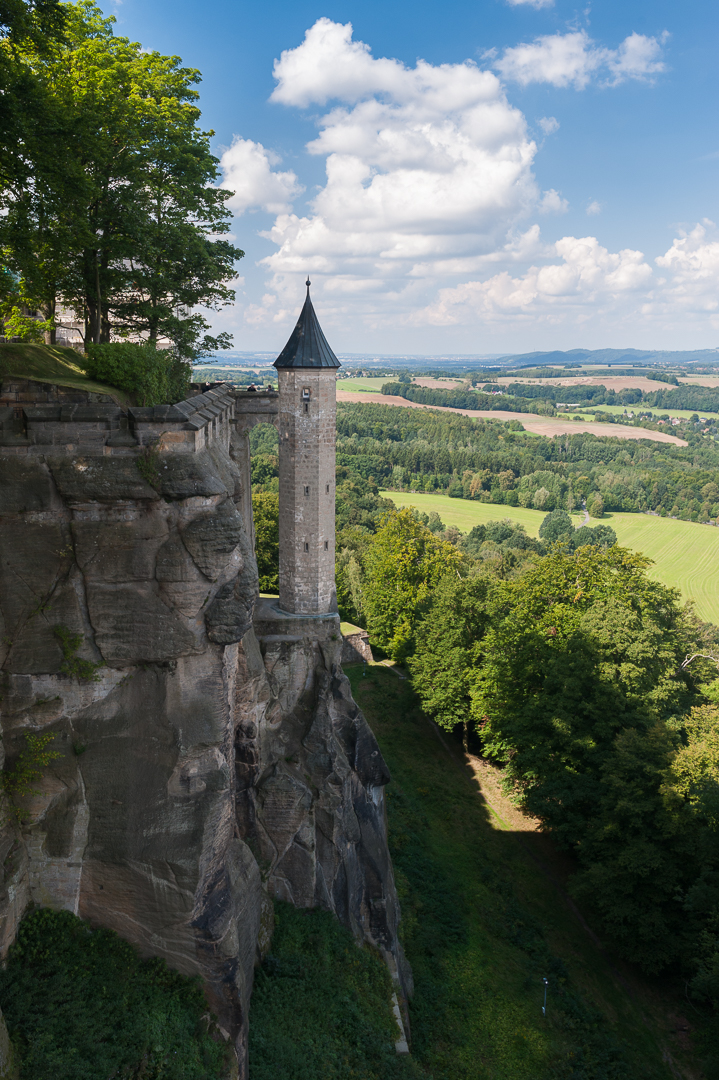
{"x": 115, "y": 209}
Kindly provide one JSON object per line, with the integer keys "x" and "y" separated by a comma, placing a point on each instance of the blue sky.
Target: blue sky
{"x": 545, "y": 178}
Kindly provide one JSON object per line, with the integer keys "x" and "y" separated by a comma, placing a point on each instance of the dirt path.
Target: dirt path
{"x": 540, "y": 425}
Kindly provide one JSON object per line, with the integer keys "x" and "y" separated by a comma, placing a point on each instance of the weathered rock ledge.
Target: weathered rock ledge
{"x": 216, "y": 759}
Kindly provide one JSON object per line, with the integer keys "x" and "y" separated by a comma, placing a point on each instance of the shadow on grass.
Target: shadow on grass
{"x": 485, "y": 918}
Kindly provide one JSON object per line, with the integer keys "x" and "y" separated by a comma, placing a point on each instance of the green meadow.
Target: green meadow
{"x": 369, "y": 385}
{"x": 685, "y": 554}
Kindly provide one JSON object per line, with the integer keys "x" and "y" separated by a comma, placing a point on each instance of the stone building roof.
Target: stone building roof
{"x": 307, "y": 346}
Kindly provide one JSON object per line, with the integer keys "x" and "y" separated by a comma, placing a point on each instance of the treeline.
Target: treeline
{"x": 494, "y": 462}
{"x": 108, "y": 196}
{"x": 596, "y": 693}
{"x": 532, "y": 397}
{"x": 464, "y": 399}
{"x": 698, "y": 398}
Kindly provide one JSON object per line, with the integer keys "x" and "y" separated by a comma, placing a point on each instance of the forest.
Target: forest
{"x": 587, "y": 682}
{"x": 379, "y": 446}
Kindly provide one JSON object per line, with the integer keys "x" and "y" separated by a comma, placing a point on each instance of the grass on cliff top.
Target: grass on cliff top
{"x": 52, "y": 364}
{"x": 80, "y": 1004}
{"x": 485, "y": 917}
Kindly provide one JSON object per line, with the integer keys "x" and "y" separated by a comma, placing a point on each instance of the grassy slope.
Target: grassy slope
{"x": 685, "y": 554}
{"x": 52, "y": 364}
{"x": 370, "y": 385}
{"x": 485, "y": 918}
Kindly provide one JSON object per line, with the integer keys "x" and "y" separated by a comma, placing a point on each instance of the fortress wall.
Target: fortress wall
{"x": 210, "y": 754}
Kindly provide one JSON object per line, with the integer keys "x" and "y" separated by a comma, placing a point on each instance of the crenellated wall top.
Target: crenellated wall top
{"x": 49, "y": 423}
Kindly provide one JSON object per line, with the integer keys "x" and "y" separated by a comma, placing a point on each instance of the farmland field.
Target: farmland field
{"x": 369, "y": 385}
{"x": 532, "y": 422}
{"x": 685, "y": 555}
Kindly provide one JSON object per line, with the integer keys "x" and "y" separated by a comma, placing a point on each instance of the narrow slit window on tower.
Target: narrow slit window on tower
{"x": 327, "y": 545}
{"x": 328, "y": 489}
{"x": 307, "y": 490}
{"x": 307, "y": 547}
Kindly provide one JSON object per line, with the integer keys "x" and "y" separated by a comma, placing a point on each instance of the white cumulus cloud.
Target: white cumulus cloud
{"x": 549, "y": 124}
{"x": 429, "y": 162}
{"x": 553, "y": 203}
{"x": 247, "y": 171}
{"x": 692, "y": 263}
{"x": 574, "y": 59}
{"x": 588, "y": 275}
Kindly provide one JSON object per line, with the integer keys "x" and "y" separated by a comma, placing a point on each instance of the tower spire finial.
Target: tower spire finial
{"x": 308, "y": 283}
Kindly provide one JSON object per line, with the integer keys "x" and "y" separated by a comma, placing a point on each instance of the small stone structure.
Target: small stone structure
{"x": 356, "y": 648}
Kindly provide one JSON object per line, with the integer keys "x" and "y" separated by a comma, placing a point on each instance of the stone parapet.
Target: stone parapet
{"x": 19, "y": 392}
{"x": 32, "y": 426}
{"x": 271, "y": 623}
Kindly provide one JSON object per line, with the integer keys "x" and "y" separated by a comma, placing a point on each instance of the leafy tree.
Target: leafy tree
{"x": 266, "y": 515}
{"x": 603, "y": 536}
{"x": 581, "y": 673}
{"x": 403, "y": 563}
{"x": 448, "y": 648}
{"x": 351, "y": 544}
{"x": 26, "y": 28}
{"x": 121, "y": 218}
{"x": 556, "y": 527}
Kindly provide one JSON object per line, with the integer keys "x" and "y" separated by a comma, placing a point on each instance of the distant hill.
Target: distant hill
{"x": 626, "y": 357}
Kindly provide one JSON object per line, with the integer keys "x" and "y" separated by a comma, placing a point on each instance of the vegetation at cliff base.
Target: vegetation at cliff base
{"x": 80, "y": 1004}
{"x": 321, "y": 1006}
{"x": 485, "y": 919}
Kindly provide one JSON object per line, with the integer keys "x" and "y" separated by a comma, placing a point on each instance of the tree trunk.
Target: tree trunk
{"x": 98, "y": 312}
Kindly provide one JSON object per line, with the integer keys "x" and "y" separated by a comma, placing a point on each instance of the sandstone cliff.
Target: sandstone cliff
{"x": 212, "y": 757}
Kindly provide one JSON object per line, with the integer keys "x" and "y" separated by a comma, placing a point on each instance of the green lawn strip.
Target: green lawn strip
{"x": 52, "y": 364}
{"x": 483, "y": 924}
{"x": 80, "y": 1004}
{"x": 321, "y": 1006}
{"x": 685, "y": 554}
{"x": 369, "y": 385}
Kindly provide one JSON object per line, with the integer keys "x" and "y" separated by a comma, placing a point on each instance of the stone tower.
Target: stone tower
{"x": 306, "y": 373}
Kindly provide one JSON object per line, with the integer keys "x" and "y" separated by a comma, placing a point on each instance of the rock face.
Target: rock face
{"x": 212, "y": 757}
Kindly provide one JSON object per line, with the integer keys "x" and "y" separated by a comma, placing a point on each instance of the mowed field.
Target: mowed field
{"x": 685, "y": 555}
{"x": 363, "y": 386}
{"x": 533, "y": 423}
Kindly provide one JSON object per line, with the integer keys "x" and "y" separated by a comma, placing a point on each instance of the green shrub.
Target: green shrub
{"x": 154, "y": 376}
{"x": 321, "y": 1006}
{"x": 80, "y": 1004}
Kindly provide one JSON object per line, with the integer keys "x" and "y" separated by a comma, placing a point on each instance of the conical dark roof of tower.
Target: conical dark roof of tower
{"x": 307, "y": 347}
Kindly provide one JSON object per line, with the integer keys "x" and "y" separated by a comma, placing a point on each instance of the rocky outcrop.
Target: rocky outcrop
{"x": 210, "y": 754}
